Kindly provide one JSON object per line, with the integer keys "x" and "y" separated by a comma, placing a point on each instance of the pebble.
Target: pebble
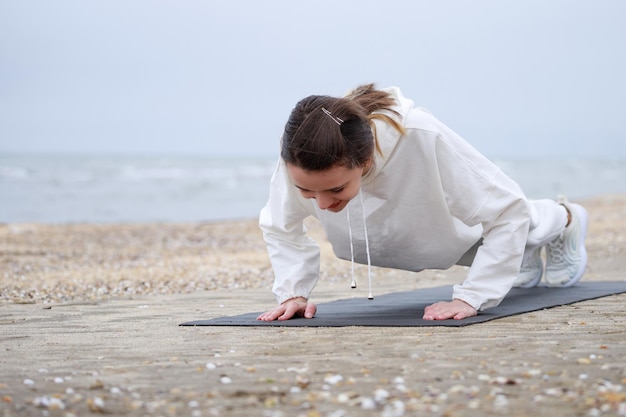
{"x": 368, "y": 403}
{"x": 473, "y": 404}
{"x": 395, "y": 409}
{"x": 96, "y": 404}
{"x": 501, "y": 401}
{"x": 51, "y": 403}
{"x": 343, "y": 397}
{"x": 553, "y": 392}
{"x": 381, "y": 395}
{"x": 594, "y": 412}
{"x": 333, "y": 379}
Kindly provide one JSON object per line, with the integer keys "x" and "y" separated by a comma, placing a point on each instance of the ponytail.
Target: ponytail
{"x": 373, "y": 102}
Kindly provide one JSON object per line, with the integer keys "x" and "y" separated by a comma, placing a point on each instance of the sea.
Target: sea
{"x": 99, "y": 188}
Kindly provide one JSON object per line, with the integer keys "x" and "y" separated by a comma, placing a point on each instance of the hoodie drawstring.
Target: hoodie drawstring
{"x": 353, "y": 284}
{"x": 367, "y": 248}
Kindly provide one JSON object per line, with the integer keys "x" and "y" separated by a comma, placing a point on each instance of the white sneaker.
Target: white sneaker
{"x": 531, "y": 270}
{"x": 566, "y": 256}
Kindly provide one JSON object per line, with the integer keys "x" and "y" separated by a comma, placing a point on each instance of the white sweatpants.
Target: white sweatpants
{"x": 547, "y": 221}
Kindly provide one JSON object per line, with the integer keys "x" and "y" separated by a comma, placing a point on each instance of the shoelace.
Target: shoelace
{"x": 556, "y": 250}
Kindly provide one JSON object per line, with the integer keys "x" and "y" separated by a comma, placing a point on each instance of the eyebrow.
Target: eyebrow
{"x": 330, "y": 189}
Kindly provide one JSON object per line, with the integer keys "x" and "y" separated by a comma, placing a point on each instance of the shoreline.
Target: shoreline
{"x": 47, "y": 263}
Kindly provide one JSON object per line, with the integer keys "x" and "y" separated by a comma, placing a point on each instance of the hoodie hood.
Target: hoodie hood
{"x": 391, "y": 136}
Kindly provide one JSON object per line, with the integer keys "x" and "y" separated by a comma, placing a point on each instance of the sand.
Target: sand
{"x": 89, "y": 320}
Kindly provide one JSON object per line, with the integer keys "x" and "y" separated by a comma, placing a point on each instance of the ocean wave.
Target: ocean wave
{"x": 59, "y": 189}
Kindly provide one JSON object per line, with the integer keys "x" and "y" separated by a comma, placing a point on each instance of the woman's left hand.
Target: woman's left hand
{"x": 443, "y": 310}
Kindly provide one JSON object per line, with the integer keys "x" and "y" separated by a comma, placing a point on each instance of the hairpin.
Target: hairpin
{"x": 335, "y": 118}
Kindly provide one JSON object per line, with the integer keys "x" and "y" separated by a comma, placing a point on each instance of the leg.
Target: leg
{"x": 561, "y": 228}
{"x": 547, "y": 222}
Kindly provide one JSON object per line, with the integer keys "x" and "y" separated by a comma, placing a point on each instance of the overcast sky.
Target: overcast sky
{"x": 532, "y": 78}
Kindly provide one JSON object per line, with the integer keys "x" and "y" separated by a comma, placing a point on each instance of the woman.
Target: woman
{"x": 394, "y": 187}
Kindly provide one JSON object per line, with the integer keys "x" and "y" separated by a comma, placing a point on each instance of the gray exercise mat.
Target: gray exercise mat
{"x": 405, "y": 308}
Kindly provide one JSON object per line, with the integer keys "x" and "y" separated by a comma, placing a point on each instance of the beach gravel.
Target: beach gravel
{"x": 89, "y": 320}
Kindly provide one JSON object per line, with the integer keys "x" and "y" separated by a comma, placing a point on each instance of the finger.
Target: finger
{"x": 445, "y": 315}
{"x": 431, "y": 312}
{"x": 310, "y": 310}
{"x": 438, "y": 312}
{"x": 465, "y": 314}
{"x": 288, "y": 312}
{"x": 428, "y": 315}
{"x": 272, "y": 314}
{"x": 278, "y": 312}
{"x": 263, "y": 315}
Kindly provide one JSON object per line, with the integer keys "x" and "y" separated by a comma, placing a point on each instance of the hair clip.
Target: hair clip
{"x": 335, "y": 118}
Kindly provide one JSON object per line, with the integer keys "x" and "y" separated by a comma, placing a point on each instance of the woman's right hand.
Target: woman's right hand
{"x": 293, "y": 307}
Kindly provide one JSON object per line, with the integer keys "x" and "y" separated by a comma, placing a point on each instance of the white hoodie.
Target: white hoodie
{"x": 428, "y": 198}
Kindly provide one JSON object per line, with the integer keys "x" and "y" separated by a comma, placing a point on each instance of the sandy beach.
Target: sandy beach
{"x": 89, "y": 320}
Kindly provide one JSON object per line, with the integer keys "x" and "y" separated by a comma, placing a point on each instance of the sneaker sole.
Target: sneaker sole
{"x": 535, "y": 281}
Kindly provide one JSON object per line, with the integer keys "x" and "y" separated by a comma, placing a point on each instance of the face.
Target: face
{"x": 332, "y": 188}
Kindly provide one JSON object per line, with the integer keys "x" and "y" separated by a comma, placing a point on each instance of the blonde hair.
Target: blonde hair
{"x": 374, "y": 101}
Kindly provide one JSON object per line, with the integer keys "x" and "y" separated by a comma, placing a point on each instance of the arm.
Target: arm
{"x": 294, "y": 256}
{"x": 505, "y": 219}
{"x": 494, "y": 269}
{"x": 478, "y": 192}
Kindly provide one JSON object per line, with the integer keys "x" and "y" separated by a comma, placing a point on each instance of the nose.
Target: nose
{"x": 324, "y": 201}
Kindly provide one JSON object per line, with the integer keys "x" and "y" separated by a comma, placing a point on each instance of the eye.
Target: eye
{"x": 337, "y": 190}
{"x": 305, "y": 193}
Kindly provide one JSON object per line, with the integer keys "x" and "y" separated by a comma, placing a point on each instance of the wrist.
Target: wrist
{"x": 464, "y": 302}
{"x": 297, "y": 298}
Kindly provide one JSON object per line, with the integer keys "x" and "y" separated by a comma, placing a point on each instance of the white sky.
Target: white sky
{"x": 532, "y": 78}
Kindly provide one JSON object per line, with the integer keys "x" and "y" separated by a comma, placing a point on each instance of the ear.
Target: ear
{"x": 367, "y": 166}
